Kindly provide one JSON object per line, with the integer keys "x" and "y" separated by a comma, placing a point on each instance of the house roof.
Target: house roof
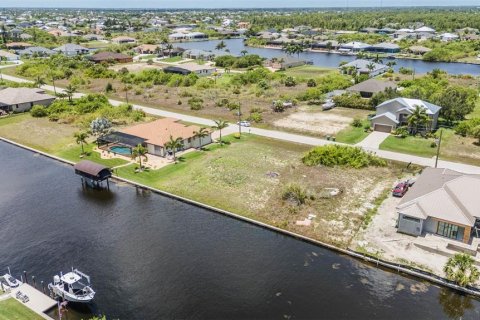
{"x": 123, "y": 38}
{"x": 419, "y": 49}
{"x": 33, "y": 50}
{"x": 410, "y": 104}
{"x": 158, "y": 132}
{"x": 386, "y": 45}
{"x": 361, "y": 65}
{"x": 373, "y": 86}
{"x": 7, "y": 54}
{"x": 18, "y": 44}
{"x": 90, "y": 168}
{"x": 388, "y": 115}
{"x": 443, "y": 194}
{"x": 189, "y": 67}
{"x": 69, "y": 47}
{"x": 424, "y": 29}
{"x": 355, "y": 45}
{"x": 11, "y": 96}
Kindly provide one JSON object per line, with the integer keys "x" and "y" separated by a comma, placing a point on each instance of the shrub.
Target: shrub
{"x": 195, "y": 103}
{"x": 402, "y": 132}
{"x": 353, "y": 101}
{"x": 290, "y": 82}
{"x": 233, "y": 105}
{"x": 404, "y": 70}
{"x": 465, "y": 127}
{"x": 179, "y": 102}
{"x": 108, "y": 88}
{"x": 311, "y": 83}
{"x": 357, "y": 123}
{"x": 222, "y": 102}
{"x": 255, "y": 117}
{"x": 263, "y": 84}
{"x": 278, "y": 106}
{"x": 295, "y": 194}
{"x": 38, "y": 111}
{"x": 338, "y": 155}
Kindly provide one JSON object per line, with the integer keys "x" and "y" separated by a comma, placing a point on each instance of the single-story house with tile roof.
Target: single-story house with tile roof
{"x": 108, "y": 56}
{"x": 93, "y": 37}
{"x": 154, "y": 135}
{"x": 449, "y": 36}
{"x": 395, "y": 112}
{"x": 9, "y": 56}
{"x": 123, "y": 39}
{"x": 332, "y": 44}
{"x": 36, "y": 51}
{"x": 354, "y": 46}
{"x": 71, "y": 49}
{"x": 419, "y": 50}
{"x": 18, "y": 45}
{"x": 198, "y": 54}
{"x": 442, "y": 202}
{"x": 23, "y": 99}
{"x": 363, "y": 67}
{"x": 187, "y": 68}
{"x": 147, "y": 48}
{"x": 385, "y": 47}
{"x": 425, "y": 29}
{"x": 368, "y": 88}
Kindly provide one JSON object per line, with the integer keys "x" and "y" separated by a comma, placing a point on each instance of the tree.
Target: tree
{"x": 173, "y": 145}
{"x": 219, "y": 125}
{"x": 81, "y": 139}
{"x": 139, "y": 152}
{"x": 70, "y": 91}
{"x": 200, "y": 134}
{"x": 371, "y": 66}
{"x": 418, "y": 119}
{"x": 244, "y": 52}
{"x": 461, "y": 269}
{"x": 215, "y": 76}
{"x": 456, "y": 102}
{"x": 39, "y": 81}
{"x": 100, "y": 126}
{"x": 169, "y": 47}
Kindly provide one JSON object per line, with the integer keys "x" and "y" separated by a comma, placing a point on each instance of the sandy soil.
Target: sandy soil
{"x": 321, "y": 122}
{"x": 134, "y": 67}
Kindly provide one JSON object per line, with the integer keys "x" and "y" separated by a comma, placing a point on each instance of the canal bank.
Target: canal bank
{"x": 400, "y": 268}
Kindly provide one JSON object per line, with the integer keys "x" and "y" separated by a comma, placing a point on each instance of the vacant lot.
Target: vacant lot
{"x": 312, "y": 120}
{"x": 134, "y": 67}
{"x": 249, "y": 177}
{"x": 307, "y": 71}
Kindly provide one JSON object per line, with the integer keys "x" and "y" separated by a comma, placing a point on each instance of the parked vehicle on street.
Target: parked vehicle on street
{"x": 400, "y": 189}
{"x": 244, "y": 123}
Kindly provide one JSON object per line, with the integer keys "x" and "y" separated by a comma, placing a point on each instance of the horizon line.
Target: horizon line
{"x": 251, "y": 8}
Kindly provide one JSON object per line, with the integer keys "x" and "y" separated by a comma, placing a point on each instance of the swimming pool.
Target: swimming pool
{"x": 121, "y": 150}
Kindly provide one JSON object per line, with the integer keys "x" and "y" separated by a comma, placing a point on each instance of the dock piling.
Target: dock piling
{"x": 43, "y": 286}
{"x": 34, "y": 282}
{"x": 25, "y": 276}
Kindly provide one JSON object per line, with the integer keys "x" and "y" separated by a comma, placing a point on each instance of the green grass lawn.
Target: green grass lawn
{"x": 353, "y": 135}
{"x": 412, "y": 145}
{"x": 150, "y": 56}
{"x": 73, "y": 154}
{"x": 172, "y": 59}
{"x": 307, "y": 71}
{"x": 11, "y": 309}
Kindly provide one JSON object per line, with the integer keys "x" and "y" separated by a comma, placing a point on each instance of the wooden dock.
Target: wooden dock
{"x": 38, "y": 301}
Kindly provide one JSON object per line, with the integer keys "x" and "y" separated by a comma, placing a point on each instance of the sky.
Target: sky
{"x": 231, "y": 3}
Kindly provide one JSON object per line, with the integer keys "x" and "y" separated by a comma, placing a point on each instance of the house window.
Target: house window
{"x": 450, "y": 230}
{"x": 411, "y": 219}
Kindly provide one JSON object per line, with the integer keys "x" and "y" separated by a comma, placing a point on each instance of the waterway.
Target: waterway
{"x": 152, "y": 257}
{"x": 330, "y": 60}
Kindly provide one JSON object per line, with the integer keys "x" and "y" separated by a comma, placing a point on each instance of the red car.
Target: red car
{"x": 400, "y": 189}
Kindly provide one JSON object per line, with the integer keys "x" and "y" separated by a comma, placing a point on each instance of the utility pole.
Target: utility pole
{"x": 239, "y": 119}
{"x": 438, "y": 147}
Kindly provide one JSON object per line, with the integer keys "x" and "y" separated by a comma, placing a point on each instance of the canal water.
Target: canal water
{"x": 151, "y": 257}
{"x": 330, "y": 60}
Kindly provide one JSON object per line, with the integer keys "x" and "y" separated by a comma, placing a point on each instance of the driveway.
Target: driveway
{"x": 373, "y": 140}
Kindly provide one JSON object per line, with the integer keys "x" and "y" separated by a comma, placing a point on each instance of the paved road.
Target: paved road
{"x": 290, "y": 137}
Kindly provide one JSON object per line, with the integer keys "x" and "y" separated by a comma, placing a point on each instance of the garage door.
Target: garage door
{"x": 382, "y": 127}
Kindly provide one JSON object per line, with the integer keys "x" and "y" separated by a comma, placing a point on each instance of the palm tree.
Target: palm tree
{"x": 461, "y": 269}
{"x": 215, "y": 76}
{"x": 81, "y": 138}
{"x": 391, "y": 63}
{"x": 173, "y": 145}
{"x": 244, "y": 52}
{"x": 219, "y": 125}
{"x": 221, "y": 45}
{"x": 39, "y": 81}
{"x": 70, "y": 91}
{"x": 169, "y": 48}
{"x": 139, "y": 152}
{"x": 201, "y": 133}
{"x": 371, "y": 66}
{"x": 417, "y": 119}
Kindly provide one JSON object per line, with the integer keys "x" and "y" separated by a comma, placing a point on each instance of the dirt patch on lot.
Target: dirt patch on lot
{"x": 134, "y": 67}
{"x": 321, "y": 122}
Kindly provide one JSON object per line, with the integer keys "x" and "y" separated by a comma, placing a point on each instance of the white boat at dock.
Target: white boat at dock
{"x": 69, "y": 287}
{"x": 8, "y": 281}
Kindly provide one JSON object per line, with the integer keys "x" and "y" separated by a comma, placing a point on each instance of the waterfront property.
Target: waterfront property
{"x": 92, "y": 172}
{"x": 154, "y": 135}
{"x": 362, "y": 66}
{"x": 395, "y": 112}
{"x": 368, "y": 88}
{"x": 71, "y": 49}
{"x": 23, "y": 99}
{"x": 442, "y": 202}
{"x": 187, "y": 68}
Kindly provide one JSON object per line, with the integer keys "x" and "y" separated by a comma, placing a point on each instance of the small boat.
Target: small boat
{"x": 10, "y": 281}
{"x": 69, "y": 287}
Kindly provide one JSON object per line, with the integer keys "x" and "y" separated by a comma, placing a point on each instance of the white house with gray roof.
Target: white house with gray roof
{"x": 23, "y": 99}
{"x": 395, "y": 112}
{"x": 442, "y": 202}
{"x": 363, "y": 66}
{"x": 71, "y": 49}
